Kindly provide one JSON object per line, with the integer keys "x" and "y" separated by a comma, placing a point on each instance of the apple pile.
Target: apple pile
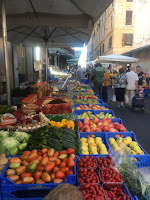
{"x": 103, "y": 125}
{"x": 91, "y": 107}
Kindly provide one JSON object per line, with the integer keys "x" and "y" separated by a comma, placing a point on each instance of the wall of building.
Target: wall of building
{"x": 112, "y": 23}
{"x": 142, "y": 23}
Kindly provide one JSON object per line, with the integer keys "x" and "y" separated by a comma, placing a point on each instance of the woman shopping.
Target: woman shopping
{"x": 120, "y": 87}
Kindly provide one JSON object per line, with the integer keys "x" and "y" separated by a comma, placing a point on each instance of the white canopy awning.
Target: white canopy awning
{"x": 59, "y": 23}
{"x": 118, "y": 59}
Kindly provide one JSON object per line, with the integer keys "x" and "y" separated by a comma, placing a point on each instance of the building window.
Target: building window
{"x": 112, "y": 3}
{"x": 97, "y": 52}
{"x": 101, "y": 34}
{"x": 100, "y": 50}
{"x": 105, "y": 14}
{"x": 102, "y": 19}
{"x": 110, "y": 42}
{"x": 129, "y": 17}
{"x": 111, "y": 23}
{"x": 104, "y": 31}
{"x": 127, "y": 39}
{"x": 103, "y": 49}
{"x": 129, "y": 0}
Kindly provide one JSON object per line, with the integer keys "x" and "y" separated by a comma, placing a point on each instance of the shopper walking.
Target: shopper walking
{"x": 120, "y": 87}
{"x": 141, "y": 75}
{"x": 132, "y": 85}
{"x": 80, "y": 73}
{"x": 105, "y": 86}
{"x": 98, "y": 76}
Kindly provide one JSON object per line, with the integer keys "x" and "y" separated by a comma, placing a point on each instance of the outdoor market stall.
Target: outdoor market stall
{"x": 88, "y": 147}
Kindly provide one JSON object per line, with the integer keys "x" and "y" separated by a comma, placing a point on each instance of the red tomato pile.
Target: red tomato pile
{"x": 115, "y": 192}
{"x": 104, "y": 162}
{"x": 92, "y": 191}
{"x": 87, "y": 162}
{"x": 110, "y": 175}
{"x": 88, "y": 176}
{"x": 41, "y": 167}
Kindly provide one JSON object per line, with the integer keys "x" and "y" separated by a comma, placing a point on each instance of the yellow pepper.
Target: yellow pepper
{"x": 53, "y": 123}
{"x": 59, "y": 124}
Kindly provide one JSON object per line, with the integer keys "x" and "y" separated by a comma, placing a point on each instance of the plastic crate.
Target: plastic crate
{"x": 130, "y": 134}
{"x": 99, "y": 101}
{"x": 125, "y": 189}
{"x": 105, "y": 111}
{"x": 100, "y": 104}
{"x": 143, "y": 161}
{"x": 102, "y": 135}
{"x": 94, "y": 112}
{"x": 11, "y": 190}
{"x": 85, "y": 81}
{"x": 113, "y": 120}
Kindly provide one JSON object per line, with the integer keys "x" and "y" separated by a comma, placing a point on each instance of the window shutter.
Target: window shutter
{"x": 123, "y": 40}
{"x": 129, "y": 17}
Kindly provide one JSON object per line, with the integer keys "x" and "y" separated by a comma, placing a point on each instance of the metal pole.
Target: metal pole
{"x": 5, "y": 51}
{"x": 46, "y": 61}
{"x": 58, "y": 61}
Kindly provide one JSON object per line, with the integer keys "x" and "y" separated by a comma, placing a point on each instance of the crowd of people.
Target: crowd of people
{"x": 126, "y": 83}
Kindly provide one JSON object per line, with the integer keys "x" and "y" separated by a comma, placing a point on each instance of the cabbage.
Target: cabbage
{"x": 7, "y": 144}
{"x": 21, "y": 136}
{"x": 4, "y": 134}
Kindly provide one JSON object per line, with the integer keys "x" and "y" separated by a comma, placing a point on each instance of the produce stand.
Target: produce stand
{"x": 87, "y": 147}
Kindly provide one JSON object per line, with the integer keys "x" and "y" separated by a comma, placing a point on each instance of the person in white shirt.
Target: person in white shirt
{"x": 132, "y": 85}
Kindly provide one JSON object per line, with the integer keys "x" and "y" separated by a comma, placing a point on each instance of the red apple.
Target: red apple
{"x": 91, "y": 123}
{"x": 116, "y": 123}
{"x": 98, "y": 130}
{"x": 86, "y": 126}
{"x": 113, "y": 130}
{"x": 111, "y": 126}
{"x": 95, "y": 120}
{"x": 93, "y": 126}
{"x": 93, "y": 129}
{"x": 106, "y": 123}
{"x": 106, "y": 128}
{"x": 109, "y": 120}
{"x": 118, "y": 127}
{"x": 87, "y": 130}
{"x": 99, "y": 124}
{"x": 123, "y": 129}
{"x": 86, "y": 121}
{"x": 103, "y": 120}
{"x": 79, "y": 124}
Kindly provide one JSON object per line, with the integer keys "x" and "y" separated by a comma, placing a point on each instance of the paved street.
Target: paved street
{"x": 138, "y": 122}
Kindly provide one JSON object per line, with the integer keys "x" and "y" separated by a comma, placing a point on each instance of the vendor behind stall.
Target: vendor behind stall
{"x": 49, "y": 75}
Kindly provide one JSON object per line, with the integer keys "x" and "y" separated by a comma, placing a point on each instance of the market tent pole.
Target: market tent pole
{"x": 46, "y": 61}
{"x": 6, "y": 51}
